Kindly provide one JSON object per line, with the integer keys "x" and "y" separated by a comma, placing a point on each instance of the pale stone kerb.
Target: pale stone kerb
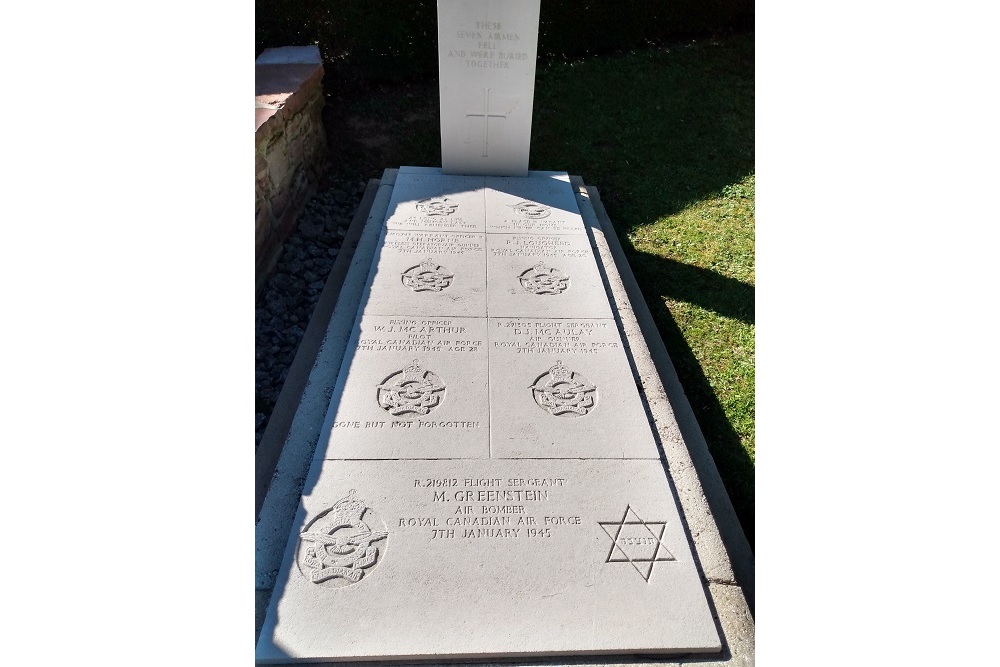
{"x": 279, "y": 423}
{"x": 282, "y": 500}
{"x": 707, "y": 542}
{"x": 691, "y": 466}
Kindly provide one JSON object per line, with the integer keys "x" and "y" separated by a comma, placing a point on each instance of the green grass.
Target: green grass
{"x": 667, "y": 137}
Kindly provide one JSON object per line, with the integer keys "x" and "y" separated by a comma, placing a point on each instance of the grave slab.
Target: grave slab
{"x": 428, "y": 274}
{"x": 540, "y": 203}
{"x": 628, "y": 543}
{"x": 486, "y": 55}
{"x": 543, "y": 275}
{"x": 483, "y": 559}
{"x": 563, "y": 389}
{"x": 410, "y": 388}
{"x": 438, "y": 203}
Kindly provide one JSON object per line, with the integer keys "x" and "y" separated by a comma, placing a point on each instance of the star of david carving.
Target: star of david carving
{"x": 636, "y": 541}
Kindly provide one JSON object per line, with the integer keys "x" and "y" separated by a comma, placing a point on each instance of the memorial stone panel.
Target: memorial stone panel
{"x": 486, "y": 55}
{"x": 414, "y": 388}
{"x": 428, "y": 273}
{"x": 563, "y": 389}
{"x": 437, "y": 203}
{"x": 419, "y": 559}
{"x": 543, "y": 275}
{"x": 544, "y": 204}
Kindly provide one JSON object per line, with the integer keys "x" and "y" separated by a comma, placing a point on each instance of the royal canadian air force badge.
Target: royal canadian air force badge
{"x": 339, "y": 546}
{"x": 411, "y": 392}
{"x": 436, "y": 206}
{"x": 563, "y": 393}
{"x": 428, "y": 276}
{"x": 533, "y": 210}
{"x": 541, "y": 279}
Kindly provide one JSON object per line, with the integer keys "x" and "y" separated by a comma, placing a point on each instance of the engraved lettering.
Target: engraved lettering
{"x": 417, "y": 522}
{"x": 478, "y": 533}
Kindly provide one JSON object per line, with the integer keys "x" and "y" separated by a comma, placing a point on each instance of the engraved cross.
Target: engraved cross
{"x": 486, "y": 115}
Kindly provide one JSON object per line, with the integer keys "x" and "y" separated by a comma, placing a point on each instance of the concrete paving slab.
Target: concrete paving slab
{"x": 539, "y": 203}
{"x": 479, "y": 559}
{"x": 410, "y": 388}
{"x": 563, "y": 389}
{"x": 428, "y": 274}
{"x": 543, "y": 275}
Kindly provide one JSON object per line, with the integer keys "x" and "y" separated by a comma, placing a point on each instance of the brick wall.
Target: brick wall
{"x": 291, "y": 146}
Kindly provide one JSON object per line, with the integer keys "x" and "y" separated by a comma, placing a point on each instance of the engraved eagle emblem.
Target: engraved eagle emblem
{"x": 541, "y": 279}
{"x": 340, "y": 542}
{"x": 410, "y": 392}
{"x": 427, "y": 276}
{"x": 561, "y": 392}
{"x": 530, "y": 209}
{"x": 436, "y": 206}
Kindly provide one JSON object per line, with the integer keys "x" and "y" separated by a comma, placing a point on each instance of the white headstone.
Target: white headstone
{"x": 486, "y": 50}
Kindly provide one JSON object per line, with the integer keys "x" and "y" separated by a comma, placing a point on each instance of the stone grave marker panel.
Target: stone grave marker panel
{"x": 563, "y": 389}
{"x": 437, "y": 203}
{"x": 544, "y": 275}
{"x": 543, "y": 203}
{"x": 411, "y": 388}
{"x": 428, "y": 273}
{"x": 486, "y": 55}
{"x": 465, "y": 559}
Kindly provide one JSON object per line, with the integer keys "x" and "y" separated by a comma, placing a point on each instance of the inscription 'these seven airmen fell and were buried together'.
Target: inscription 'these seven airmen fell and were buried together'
{"x": 489, "y": 46}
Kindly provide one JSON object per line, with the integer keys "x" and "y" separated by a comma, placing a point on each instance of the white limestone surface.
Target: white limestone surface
{"x": 428, "y": 273}
{"x": 433, "y": 202}
{"x": 563, "y": 389}
{"x": 467, "y": 559}
{"x": 410, "y": 388}
{"x": 543, "y": 275}
{"x": 486, "y": 56}
{"x": 544, "y": 202}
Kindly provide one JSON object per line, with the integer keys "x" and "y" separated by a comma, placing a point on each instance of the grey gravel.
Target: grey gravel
{"x": 288, "y": 299}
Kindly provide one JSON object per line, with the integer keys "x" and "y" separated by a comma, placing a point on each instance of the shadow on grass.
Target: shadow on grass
{"x": 683, "y": 282}
{"x": 657, "y": 132}
{"x": 724, "y": 296}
